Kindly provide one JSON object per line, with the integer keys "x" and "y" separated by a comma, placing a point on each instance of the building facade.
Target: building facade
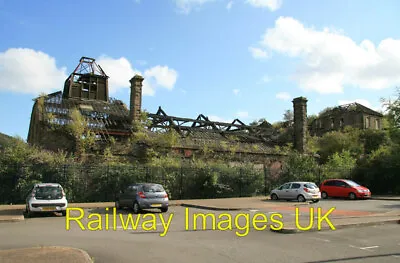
{"x": 350, "y": 115}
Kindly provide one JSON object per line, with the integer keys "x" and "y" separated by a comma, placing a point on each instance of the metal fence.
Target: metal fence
{"x": 101, "y": 183}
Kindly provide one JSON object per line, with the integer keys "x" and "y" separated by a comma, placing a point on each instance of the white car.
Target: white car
{"x": 301, "y": 191}
{"x": 46, "y": 197}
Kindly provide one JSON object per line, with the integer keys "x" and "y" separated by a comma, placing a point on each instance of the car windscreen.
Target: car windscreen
{"x": 48, "y": 192}
{"x": 351, "y": 183}
{"x": 311, "y": 186}
{"x": 153, "y": 188}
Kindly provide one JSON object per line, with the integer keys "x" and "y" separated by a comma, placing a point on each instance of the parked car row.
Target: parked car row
{"x": 309, "y": 191}
{"x": 51, "y": 197}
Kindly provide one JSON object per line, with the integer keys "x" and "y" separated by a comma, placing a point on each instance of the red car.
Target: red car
{"x": 343, "y": 188}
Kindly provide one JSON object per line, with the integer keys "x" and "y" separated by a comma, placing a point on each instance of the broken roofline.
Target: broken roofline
{"x": 161, "y": 117}
{"x": 347, "y": 107}
{"x": 101, "y": 120}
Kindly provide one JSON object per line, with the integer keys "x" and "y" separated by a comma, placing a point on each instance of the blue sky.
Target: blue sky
{"x": 243, "y": 59}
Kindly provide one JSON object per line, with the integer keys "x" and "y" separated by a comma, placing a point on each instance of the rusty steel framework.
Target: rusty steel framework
{"x": 87, "y": 81}
{"x": 212, "y": 129}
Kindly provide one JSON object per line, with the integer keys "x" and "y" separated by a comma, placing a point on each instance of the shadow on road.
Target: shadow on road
{"x": 354, "y": 258}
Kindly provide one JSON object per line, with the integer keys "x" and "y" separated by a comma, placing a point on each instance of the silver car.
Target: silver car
{"x": 46, "y": 197}
{"x": 143, "y": 196}
{"x": 301, "y": 191}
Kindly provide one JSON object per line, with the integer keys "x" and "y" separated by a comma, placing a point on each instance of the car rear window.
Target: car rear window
{"x": 311, "y": 186}
{"x": 154, "y": 188}
{"x": 48, "y": 192}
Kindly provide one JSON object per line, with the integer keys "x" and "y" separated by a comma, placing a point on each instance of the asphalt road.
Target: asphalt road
{"x": 369, "y": 244}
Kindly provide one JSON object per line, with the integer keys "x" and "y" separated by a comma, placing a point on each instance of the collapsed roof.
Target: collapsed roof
{"x": 86, "y": 89}
{"x": 350, "y": 107}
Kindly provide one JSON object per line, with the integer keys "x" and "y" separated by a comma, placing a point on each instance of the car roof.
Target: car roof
{"x": 336, "y": 180}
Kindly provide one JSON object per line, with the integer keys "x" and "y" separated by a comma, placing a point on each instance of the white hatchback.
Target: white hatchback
{"x": 46, "y": 197}
{"x": 301, "y": 191}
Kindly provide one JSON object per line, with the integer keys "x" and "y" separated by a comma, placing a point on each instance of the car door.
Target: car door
{"x": 293, "y": 191}
{"x": 330, "y": 188}
{"x": 284, "y": 191}
{"x": 343, "y": 189}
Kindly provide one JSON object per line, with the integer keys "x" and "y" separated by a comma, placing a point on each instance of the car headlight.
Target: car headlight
{"x": 360, "y": 191}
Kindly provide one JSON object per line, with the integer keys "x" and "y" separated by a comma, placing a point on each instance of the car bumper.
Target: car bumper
{"x": 364, "y": 195}
{"x": 310, "y": 196}
{"x": 45, "y": 208}
{"x": 153, "y": 203}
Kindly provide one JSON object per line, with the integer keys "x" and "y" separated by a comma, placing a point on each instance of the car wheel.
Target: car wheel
{"x": 324, "y": 195}
{"x": 136, "y": 208}
{"x": 274, "y": 197}
{"x": 63, "y": 213}
{"x": 164, "y": 209}
{"x": 352, "y": 196}
{"x": 301, "y": 198}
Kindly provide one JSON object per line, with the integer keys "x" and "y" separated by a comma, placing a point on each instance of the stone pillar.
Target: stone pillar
{"x": 136, "y": 98}
{"x": 300, "y": 123}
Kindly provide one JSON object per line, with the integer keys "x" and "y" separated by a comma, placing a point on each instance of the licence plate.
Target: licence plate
{"x": 48, "y": 208}
{"x": 156, "y": 205}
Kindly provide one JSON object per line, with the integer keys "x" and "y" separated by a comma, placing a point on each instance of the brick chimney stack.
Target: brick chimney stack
{"x": 136, "y": 98}
{"x": 300, "y": 123}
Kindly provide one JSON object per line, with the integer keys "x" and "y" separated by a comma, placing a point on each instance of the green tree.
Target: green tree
{"x": 337, "y": 142}
{"x": 300, "y": 167}
{"x": 339, "y": 165}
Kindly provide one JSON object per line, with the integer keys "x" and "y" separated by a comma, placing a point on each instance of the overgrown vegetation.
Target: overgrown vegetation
{"x": 371, "y": 157}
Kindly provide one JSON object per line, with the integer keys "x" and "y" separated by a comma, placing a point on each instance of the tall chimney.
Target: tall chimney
{"x": 300, "y": 123}
{"x": 136, "y": 98}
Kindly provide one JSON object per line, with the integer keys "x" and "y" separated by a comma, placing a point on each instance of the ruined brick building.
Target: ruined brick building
{"x": 354, "y": 115}
{"x": 86, "y": 89}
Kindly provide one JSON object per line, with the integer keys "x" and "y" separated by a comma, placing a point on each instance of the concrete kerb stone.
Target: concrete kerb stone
{"x": 12, "y": 220}
{"x": 12, "y": 255}
{"x": 293, "y": 230}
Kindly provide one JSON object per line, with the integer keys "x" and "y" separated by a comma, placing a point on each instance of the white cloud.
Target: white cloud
{"x": 242, "y": 114}
{"x": 229, "y": 5}
{"x": 121, "y": 71}
{"x": 236, "y": 91}
{"x": 272, "y": 5}
{"x": 283, "y": 96}
{"x": 28, "y": 71}
{"x": 164, "y": 76}
{"x": 186, "y": 6}
{"x": 258, "y": 52}
{"x": 331, "y": 60}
